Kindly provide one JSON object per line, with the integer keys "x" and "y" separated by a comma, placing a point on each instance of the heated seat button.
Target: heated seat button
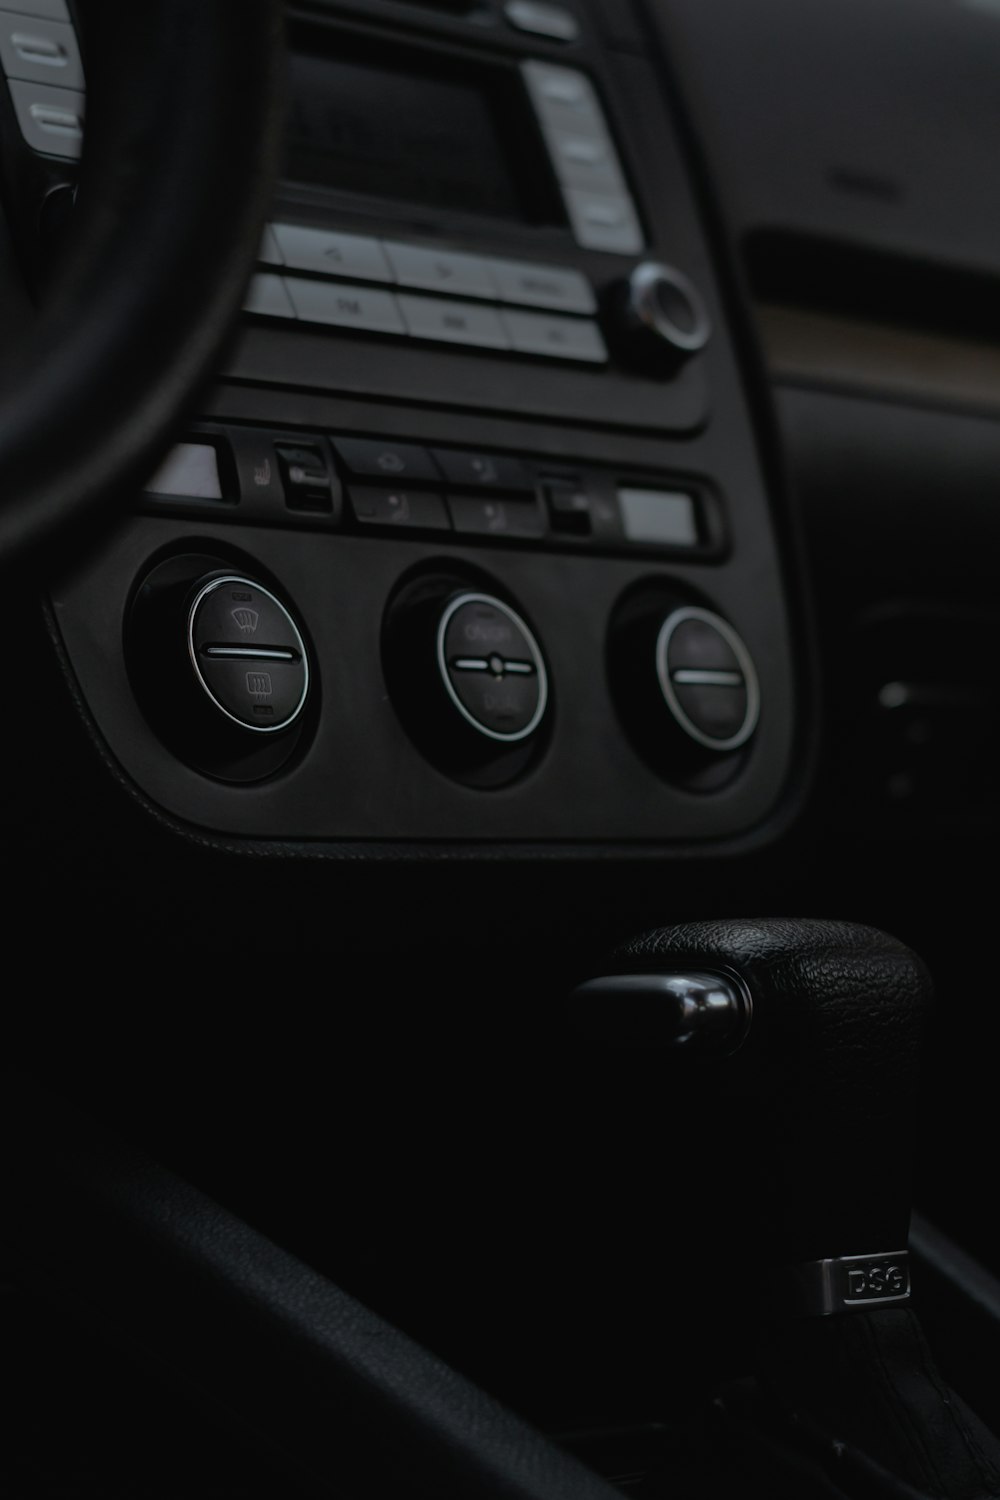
{"x": 492, "y": 667}
{"x": 308, "y": 480}
{"x": 569, "y": 506}
{"x": 248, "y": 654}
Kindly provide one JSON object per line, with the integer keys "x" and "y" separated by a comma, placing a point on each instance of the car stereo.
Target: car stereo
{"x": 462, "y": 193}
{"x": 470, "y": 540}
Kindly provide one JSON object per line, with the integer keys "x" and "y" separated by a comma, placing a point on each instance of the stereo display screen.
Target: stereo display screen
{"x": 404, "y": 128}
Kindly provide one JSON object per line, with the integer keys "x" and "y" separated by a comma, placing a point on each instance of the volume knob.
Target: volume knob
{"x": 663, "y": 318}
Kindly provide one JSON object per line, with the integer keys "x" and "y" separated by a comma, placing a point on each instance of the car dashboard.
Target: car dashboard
{"x": 589, "y": 526}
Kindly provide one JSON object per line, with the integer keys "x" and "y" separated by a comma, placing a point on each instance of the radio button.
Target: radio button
{"x": 556, "y": 338}
{"x": 543, "y": 286}
{"x": 266, "y": 296}
{"x": 345, "y": 305}
{"x": 551, "y": 21}
{"x": 453, "y": 322}
{"x": 53, "y": 10}
{"x": 369, "y": 458}
{"x": 440, "y": 270}
{"x": 352, "y": 255}
{"x": 40, "y": 51}
{"x": 604, "y": 221}
{"x": 268, "y": 251}
{"x": 585, "y": 159}
{"x": 51, "y": 119}
{"x": 563, "y": 98}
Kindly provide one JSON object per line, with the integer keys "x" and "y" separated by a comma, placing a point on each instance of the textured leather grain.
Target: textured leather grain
{"x": 827, "y": 1077}
{"x": 182, "y": 145}
{"x": 351, "y": 1404}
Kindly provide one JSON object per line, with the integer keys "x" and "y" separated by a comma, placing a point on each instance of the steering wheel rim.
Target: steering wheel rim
{"x": 181, "y": 153}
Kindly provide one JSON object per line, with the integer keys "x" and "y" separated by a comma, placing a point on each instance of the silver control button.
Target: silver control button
{"x": 563, "y": 98}
{"x": 453, "y": 322}
{"x": 440, "y": 270}
{"x": 51, "y": 10}
{"x": 604, "y": 221}
{"x": 529, "y": 285}
{"x": 344, "y": 305}
{"x": 585, "y": 159}
{"x": 51, "y": 119}
{"x": 40, "y": 51}
{"x": 551, "y": 21}
{"x": 558, "y": 338}
{"x": 266, "y": 296}
{"x": 355, "y": 256}
{"x": 268, "y": 251}
{"x": 663, "y": 308}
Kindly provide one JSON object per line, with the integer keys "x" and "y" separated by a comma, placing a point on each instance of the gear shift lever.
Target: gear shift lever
{"x": 829, "y": 1063}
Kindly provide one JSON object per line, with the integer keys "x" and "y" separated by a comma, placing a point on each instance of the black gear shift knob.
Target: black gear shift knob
{"x": 826, "y": 1019}
{"x": 828, "y": 1072}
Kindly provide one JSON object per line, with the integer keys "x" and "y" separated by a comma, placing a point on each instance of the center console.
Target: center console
{"x": 471, "y": 539}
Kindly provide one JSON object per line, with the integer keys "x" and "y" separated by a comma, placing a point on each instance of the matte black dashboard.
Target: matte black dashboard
{"x": 355, "y": 773}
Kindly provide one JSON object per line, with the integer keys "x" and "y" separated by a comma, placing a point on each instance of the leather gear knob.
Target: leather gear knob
{"x": 827, "y": 1076}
